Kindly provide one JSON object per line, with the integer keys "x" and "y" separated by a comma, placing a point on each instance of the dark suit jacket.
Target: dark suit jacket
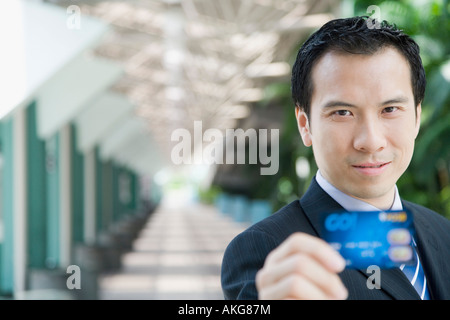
{"x": 246, "y": 254}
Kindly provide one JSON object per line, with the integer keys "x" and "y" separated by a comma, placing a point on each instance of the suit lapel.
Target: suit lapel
{"x": 428, "y": 250}
{"x": 316, "y": 201}
{"x": 394, "y": 282}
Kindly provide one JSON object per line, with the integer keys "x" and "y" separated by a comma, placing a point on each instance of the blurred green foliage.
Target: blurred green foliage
{"x": 208, "y": 195}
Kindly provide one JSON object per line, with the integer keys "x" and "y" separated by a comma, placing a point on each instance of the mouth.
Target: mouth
{"x": 371, "y": 169}
{"x": 372, "y": 165}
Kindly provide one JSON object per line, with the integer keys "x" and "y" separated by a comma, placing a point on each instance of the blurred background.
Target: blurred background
{"x": 92, "y": 94}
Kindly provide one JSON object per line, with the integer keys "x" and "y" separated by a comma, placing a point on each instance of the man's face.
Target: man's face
{"x": 362, "y": 123}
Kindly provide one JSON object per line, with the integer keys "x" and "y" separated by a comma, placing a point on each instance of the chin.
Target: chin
{"x": 370, "y": 194}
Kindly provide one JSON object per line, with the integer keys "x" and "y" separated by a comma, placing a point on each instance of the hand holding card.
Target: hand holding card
{"x": 381, "y": 238}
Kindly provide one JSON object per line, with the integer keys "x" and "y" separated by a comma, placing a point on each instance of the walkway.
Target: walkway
{"x": 177, "y": 256}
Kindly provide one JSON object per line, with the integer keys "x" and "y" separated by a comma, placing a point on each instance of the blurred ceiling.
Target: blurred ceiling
{"x": 208, "y": 60}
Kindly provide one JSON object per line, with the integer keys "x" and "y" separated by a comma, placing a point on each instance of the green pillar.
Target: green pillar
{"x": 107, "y": 194}
{"x": 123, "y": 191}
{"x": 6, "y": 254}
{"x": 126, "y": 190}
{"x": 53, "y": 203}
{"x": 36, "y": 192}
{"x": 134, "y": 192}
{"x": 98, "y": 193}
{"x": 117, "y": 205}
{"x": 77, "y": 172}
{"x": 104, "y": 194}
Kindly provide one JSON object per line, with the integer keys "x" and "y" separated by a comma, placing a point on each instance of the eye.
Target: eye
{"x": 342, "y": 113}
{"x": 390, "y": 109}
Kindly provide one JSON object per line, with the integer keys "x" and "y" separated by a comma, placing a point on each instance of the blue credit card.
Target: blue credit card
{"x": 381, "y": 238}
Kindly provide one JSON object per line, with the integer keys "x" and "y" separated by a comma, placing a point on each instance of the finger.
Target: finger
{"x": 304, "y": 266}
{"x": 293, "y": 287}
{"x": 310, "y": 245}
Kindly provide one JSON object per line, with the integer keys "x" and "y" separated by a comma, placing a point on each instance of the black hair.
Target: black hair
{"x": 356, "y": 35}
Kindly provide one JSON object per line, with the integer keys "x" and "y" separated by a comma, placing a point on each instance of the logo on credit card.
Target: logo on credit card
{"x": 382, "y": 238}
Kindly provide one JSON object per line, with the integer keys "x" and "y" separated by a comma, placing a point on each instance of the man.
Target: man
{"x": 357, "y": 92}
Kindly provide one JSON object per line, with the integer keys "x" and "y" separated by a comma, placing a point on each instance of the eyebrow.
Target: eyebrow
{"x": 338, "y": 103}
{"x": 400, "y": 99}
{"x": 335, "y": 103}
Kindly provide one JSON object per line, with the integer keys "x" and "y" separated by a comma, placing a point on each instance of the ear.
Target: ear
{"x": 418, "y": 115}
{"x": 303, "y": 126}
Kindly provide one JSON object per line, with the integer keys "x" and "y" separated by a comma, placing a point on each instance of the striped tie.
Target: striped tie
{"x": 416, "y": 276}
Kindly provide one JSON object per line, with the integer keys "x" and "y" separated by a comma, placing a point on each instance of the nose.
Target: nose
{"x": 369, "y": 136}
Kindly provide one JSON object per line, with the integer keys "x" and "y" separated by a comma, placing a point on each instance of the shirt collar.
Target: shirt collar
{"x": 352, "y": 204}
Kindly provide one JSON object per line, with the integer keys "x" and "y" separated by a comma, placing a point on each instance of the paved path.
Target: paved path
{"x": 177, "y": 256}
